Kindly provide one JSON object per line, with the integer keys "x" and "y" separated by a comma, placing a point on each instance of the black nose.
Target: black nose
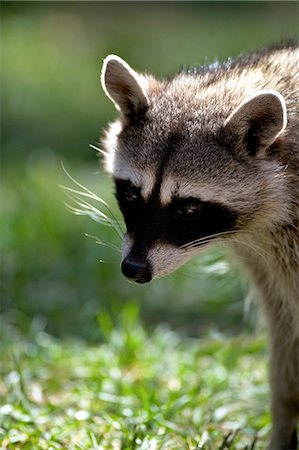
{"x": 136, "y": 270}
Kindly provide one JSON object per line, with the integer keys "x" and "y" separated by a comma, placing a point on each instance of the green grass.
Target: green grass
{"x": 135, "y": 390}
{"x": 81, "y": 368}
{"x": 50, "y": 267}
{"x": 115, "y": 377}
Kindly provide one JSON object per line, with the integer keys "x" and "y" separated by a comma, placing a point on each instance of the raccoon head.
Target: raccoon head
{"x": 191, "y": 165}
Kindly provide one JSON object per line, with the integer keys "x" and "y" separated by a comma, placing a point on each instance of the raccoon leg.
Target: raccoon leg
{"x": 284, "y": 381}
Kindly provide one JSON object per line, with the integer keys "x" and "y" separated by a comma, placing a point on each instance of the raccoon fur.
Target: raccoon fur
{"x": 212, "y": 155}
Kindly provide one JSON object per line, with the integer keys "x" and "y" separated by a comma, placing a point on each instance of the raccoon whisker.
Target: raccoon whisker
{"x": 204, "y": 238}
{"x": 202, "y": 241}
{"x": 210, "y": 236}
{"x": 260, "y": 252}
{"x": 216, "y": 235}
{"x": 250, "y": 186}
{"x": 198, "y": 244}
{"x": 104, "y": 243}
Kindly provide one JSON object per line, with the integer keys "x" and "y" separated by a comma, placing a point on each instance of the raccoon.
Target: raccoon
{"x": 211, "y": 155}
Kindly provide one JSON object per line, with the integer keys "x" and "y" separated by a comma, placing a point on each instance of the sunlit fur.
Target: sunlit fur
{"x": 226, "y": 135}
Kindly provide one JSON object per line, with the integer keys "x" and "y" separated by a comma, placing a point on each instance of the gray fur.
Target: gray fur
{"x": 227, "y": 134}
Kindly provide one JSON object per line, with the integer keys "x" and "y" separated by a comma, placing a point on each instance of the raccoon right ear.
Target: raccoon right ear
{"x": 259, "y": 120}
{"x": 125, "y": 87}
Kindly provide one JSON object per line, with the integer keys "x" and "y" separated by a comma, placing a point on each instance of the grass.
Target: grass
{"x": 50, "y": 267}
{"x": 83, "y": 367}
{"x": 135, "y": 390}
{"x": 114, "y": 377}
{"x": 117, "y": 375}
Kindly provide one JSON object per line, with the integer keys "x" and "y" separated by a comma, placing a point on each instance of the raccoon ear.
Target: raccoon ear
{"x": 125, "y": 87}
{"x": 259, "y": 120}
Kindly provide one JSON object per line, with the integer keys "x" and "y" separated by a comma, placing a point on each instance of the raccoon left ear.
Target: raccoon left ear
{"x": 259, "y": 120}
{"x": 125, "y": 87}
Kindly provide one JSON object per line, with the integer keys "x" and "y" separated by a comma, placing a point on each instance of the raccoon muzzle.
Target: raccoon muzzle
{"x": 136, "y": 270}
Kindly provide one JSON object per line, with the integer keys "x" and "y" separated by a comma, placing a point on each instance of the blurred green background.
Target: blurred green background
{"x": 53, "y": 276}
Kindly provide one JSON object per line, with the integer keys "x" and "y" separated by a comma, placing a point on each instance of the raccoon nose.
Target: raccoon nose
{"x": 135, "y": 270}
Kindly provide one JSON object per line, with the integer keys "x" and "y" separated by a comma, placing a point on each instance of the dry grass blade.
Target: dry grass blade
{"x": 83, "y": 207}
{"x": 104, "y": 243}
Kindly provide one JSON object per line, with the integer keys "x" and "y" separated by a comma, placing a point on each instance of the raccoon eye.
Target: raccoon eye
{"x": 190, "y": 210}
{"x": 131, "y": 193}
